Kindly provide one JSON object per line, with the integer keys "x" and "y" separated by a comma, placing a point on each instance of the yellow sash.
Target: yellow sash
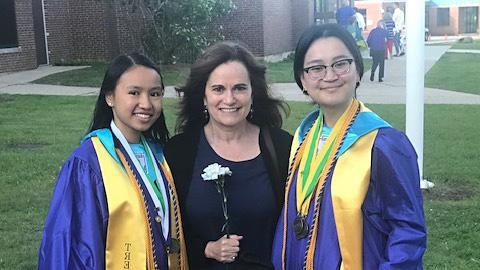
{"x": 349, "y": 185}
{"x": 124, "y": 249}
{"x": 347, "y": 200}
{"x": 348, "y": 197}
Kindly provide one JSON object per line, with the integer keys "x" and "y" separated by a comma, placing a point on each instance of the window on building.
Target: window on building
{"x": 443, "y": 17}
{"x": 8, "y": 29}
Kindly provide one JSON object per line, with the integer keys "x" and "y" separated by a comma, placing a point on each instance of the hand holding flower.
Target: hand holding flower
{"x": 224, "y": 249}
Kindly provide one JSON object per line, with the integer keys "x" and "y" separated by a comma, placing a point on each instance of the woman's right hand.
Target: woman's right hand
{"x": 225, "y": 249}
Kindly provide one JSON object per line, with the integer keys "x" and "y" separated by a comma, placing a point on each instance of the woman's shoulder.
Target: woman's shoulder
{"x": 280, "y": 134}
{"x": 181, "y": 144}
{"x": 85, "y": 157}
{"x": 391, "y": 140}
{"x": 85, "y": 152}
{"x": 82, "y": 166}
{"x": 182, "y": 140}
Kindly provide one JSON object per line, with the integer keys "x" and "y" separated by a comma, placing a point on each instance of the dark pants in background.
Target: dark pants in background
{"x": 378, "y": 60}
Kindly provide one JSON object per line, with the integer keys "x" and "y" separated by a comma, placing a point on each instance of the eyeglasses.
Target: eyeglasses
{"x": 318, "y": 72}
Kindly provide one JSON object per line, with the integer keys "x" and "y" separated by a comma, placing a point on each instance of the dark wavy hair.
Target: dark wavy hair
{"x": 267, "y": 110}
{"x": 324, "y": 31}
{"x": 103, "y": 114}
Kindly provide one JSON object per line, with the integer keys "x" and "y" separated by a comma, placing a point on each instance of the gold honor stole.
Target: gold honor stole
{"x": 127, "y": 212}
{"x": 347, "y": 198}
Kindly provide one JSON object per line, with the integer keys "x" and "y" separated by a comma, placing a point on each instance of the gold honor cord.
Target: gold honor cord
{"x": 345, "y": 124}
{"x": 177, "y": 252}
{"x": 322, "y": 159}
{"x": 339, "y": 131}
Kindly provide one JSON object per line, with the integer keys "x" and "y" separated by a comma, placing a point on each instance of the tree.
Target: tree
{"x": 178, "y": 30}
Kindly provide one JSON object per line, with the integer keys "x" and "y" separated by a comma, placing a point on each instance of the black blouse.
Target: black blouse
{"x": 187, "y": 156}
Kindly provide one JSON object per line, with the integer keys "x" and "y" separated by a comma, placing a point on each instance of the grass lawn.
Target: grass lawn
{"x": 456, "y": 72}
{"x": 281, "y": 72}
{"x": 475, "y": 45}
{"x": 92, "y": 76}
{"x": 39, "y": 132}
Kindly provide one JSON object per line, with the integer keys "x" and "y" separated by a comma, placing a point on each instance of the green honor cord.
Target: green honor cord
{"x": 306, "y": 173}
{"x": 153, "y": 181}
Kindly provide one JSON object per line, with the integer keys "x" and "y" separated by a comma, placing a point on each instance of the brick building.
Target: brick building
{"x": 268, "y": 27}
{"x": 452, "y": 17}
{"x": 41, "y": 32}
{"x": 53, "y": 31}
{"x": 17, "y": 36}
{"x": 442, "y": 17}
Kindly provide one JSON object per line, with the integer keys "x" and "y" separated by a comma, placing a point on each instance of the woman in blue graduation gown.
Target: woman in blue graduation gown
{"x": 352, "y": 199}
{"x": 114, "y": 205}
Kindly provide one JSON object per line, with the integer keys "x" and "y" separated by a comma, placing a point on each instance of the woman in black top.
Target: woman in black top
{"x": 228, "y": 117}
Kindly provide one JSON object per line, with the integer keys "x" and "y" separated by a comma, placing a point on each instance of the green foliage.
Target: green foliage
{"x": 177, "y": 31}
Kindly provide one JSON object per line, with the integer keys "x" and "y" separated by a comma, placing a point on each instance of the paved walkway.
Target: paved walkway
{"x": 391, "y": 91}
{"x": 463, "y": 51}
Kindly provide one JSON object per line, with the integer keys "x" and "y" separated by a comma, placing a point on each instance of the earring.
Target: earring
{"x": 205, "y": 112}
{"x": 250, "y": 113}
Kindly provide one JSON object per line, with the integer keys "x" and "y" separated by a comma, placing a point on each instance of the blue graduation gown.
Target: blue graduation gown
{"x": 394, "y": 232}
{"x": 75, "y": 231}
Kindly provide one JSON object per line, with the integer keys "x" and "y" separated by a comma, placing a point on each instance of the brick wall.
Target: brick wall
{"x": 129, "y": 29}
{"x": 268, "y": 27}
{"x": 23, "y": 57}
{"x": 302, "y": 17}
{"x": 90, "y": 30}
{"x": 277, "y": 26}
{"x": 89, "y": 34}
{"x": 245, "y": 24}
{"x": 451, "y": 29}
{"x": 59, "y": 30}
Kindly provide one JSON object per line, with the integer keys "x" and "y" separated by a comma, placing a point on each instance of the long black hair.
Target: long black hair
{"x": 324, "y": 31}
{"x": 103, "y": 114}
{"x": 266, "y": 109}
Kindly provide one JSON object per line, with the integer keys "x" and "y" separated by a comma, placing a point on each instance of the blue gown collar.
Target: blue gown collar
{"x": 106, "y": 138}
{"x": 365, "y": 122}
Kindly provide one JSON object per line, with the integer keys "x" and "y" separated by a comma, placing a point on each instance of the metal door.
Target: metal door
{"x": 39, "y": 29}
{"x": 468, "y": 19}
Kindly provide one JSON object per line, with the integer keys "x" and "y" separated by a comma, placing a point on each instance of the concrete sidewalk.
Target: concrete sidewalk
{"x": 391, "y": 91}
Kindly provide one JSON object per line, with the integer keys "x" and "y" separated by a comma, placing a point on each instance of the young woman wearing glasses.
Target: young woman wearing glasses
{"x": 352, "y": 198}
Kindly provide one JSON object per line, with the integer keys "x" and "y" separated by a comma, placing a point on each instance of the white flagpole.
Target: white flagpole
{"x": 415, "y": 23}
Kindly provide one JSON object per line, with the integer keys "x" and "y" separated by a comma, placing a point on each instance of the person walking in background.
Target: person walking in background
{"x": 114, "y": 205}
{"x": 353, "y": 198}
{"x": 398, "y": 18}
{"x": 377, "y": 43}
{"x": 344, "y": 13}
{"x": 228, "y": 116}
{"x": 389, "y": 26}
